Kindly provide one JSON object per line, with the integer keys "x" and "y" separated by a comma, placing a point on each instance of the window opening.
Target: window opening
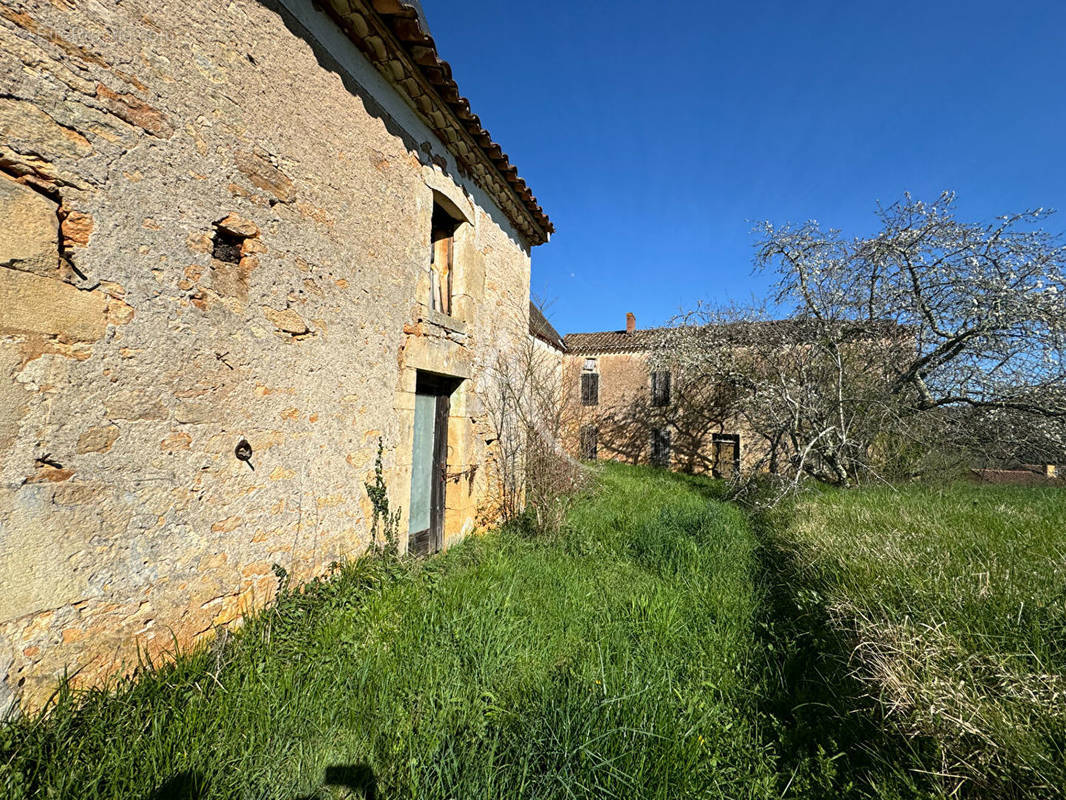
{"x": 442, "y": 259}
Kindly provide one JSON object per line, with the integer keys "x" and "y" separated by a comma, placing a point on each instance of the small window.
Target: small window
{"x": 589, "y": 442}
{"x": 660, "y": 388}
{"x": 660, "y": 447}
{"x": 725, "y": 449}
{"x": 590, "y": 389}
{"x": 590, "y": 365}
{"x": 441, "y": 259}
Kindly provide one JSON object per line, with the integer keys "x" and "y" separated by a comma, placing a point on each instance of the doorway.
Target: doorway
{"x": 429, "y": 462}
{"x": 726, "y": 452}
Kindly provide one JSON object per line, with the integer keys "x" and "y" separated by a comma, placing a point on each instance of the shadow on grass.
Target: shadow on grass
{"x": 357, "y": 781}
{"x": 706, "y": 486}
{"x": 186, "y": 785}
{"x": 832, "y": 739}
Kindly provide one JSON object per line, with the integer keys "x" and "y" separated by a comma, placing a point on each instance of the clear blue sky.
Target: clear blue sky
{"x": 654, "y": 133}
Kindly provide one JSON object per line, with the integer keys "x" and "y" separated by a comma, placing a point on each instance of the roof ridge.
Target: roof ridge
{"x": 622, "y": 331}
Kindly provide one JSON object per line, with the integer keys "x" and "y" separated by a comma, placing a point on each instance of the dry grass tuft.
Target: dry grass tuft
{"x": 954, "y": 602}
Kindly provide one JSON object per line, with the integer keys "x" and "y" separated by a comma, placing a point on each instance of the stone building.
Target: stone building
{"x": 242, "y": 244}
{"x": 625, "y": 408}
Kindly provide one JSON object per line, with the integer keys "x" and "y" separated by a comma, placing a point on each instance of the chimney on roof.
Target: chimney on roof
{"x": 631, "y": 322}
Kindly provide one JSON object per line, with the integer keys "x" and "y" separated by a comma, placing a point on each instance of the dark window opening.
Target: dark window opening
{"x": 660, "y": 447}
{"x": 590, "y": 389}
{"x": 589, "y": 442}
{"x": 227, "y": 246}
{"x": 441, "y": 259}
{"x": 725, "y": 449}
{"x": 660, "y": 388}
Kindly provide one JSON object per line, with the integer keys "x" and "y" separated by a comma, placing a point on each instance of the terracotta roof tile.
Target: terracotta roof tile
{"x": 738, "y": 332}
{"x": 612, "y": 341}
{"x": 407, "y": 23}
{"x": 542, "y": 329}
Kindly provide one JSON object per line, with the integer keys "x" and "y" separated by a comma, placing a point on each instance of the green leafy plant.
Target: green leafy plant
{"x": 385, "y": 523}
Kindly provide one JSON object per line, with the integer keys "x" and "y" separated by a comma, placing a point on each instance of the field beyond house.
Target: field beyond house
{"x": 868, "y": 644}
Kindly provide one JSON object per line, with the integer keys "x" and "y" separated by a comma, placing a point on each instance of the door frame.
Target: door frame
{"x": 431, "y": 540}
{"x": 717, "y": 442}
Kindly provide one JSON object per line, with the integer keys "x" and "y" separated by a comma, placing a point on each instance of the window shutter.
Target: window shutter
{"x": 726, "y": 451}
{"x": 660, "y": 447}
{"x": 590, "y": 389}
{"x": 660, "y": 388}
{"x": 589, "y": 437}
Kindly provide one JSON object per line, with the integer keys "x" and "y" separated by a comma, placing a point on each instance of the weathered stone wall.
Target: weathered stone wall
{"x": 624, "y": 417}
{"x": 139, "y": 140}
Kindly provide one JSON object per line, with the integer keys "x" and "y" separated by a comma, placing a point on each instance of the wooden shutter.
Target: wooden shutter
{"x": 660, "y": 388}
{"x": 590, "y": 389}
{"x": 442, "y": 231}
{"x": 441, "y": 266}
{"x": 660, "y": 447}
{"x": 589, "y": 442}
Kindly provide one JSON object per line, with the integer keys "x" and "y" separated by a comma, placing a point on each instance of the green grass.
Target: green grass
{"x": 617, "y": 659}
{"x": 947, "y": 607}
{"x": 875, "y": 643}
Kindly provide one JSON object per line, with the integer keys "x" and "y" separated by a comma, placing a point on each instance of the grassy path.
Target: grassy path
{"x": 617, "y": 660}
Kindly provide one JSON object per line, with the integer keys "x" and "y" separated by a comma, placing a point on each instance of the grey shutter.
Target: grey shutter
{"x": 660, "y": 447}
{"x": 589, "y": 436}
{"x": 590, "y": 389}
{"x": 660, "y": 388}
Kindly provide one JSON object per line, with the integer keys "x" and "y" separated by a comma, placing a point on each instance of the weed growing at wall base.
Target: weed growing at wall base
{"x": 385, "y": 522}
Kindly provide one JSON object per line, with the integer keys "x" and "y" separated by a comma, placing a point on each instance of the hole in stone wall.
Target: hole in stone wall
{"x": 243, "y": 452}
{"x": 227, "y": 246}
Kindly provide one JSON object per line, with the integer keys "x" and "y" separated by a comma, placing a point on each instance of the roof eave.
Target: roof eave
{"x": 392, "y": 36}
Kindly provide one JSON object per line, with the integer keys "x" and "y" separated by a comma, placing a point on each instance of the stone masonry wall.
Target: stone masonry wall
{"x": 624, "y": 417}
{"x": 215, "y": 228}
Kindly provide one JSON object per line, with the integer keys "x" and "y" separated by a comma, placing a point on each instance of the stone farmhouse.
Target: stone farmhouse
{"x": 243, "y": 243}
{"x": 625, "y": 407}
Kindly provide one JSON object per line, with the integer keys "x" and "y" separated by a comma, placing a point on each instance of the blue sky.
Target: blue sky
{"x": 654, "y": 133}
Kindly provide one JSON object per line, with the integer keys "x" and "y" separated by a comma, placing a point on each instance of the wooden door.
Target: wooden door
{"x": 726, "y": 454}
{"x": 429, "y": 464}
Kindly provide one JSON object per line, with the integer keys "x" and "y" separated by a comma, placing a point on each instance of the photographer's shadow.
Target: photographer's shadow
{"x": 355, "y": 781}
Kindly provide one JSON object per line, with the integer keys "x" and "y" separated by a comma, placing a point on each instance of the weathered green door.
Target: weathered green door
{"x": 428, "y": 464}
{"x": 422, "y": 463}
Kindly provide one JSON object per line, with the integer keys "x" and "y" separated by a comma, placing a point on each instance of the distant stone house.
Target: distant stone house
{"x": 242, "y": 243}
{"x": 625, "y": 407}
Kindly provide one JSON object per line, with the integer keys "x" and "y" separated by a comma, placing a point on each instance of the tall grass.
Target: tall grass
{"x": 617, "y": 659}
{"x": 877, "y": 643}
{"x": 952, "y": 602}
